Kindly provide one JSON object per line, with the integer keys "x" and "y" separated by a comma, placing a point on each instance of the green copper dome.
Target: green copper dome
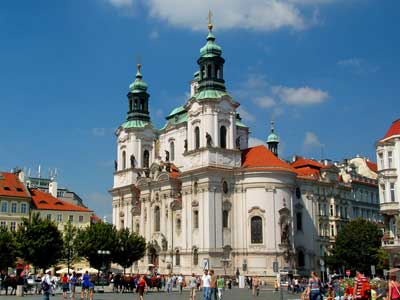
{"x": 138, "y": 86}
{"x": 273, "y": 138}
{"x": 210, "y": 49}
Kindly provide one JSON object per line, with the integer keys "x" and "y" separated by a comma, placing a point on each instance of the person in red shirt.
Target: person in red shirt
{"x": 358, "y": 284}
{"x": 141, "y": 287}
{"x": 64, "y": 285}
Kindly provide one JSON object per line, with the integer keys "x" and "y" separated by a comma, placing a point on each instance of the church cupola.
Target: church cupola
{"x": 273, "y": 140}
{"x": 138, "y": 99}
{"x": 211, "y": 63}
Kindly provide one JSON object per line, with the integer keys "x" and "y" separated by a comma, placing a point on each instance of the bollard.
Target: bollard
{"x": 20, "y": 291}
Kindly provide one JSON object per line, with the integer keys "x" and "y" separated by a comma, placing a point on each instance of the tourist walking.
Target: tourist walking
{"x": 46, "y": 285}
{"x": 141, "y": 287}
{"x": 72, "y": 283}
{"x": 180, "y": 283}
{"x": 358, "y": 285}
{"x": 193, "y": 286}
{"x": 314, "y": 287}
{"x": 205, "y": 283}
{"x": 220, "y": 286}
{"x": 394, "y": 288}
{"x": 213, "y": 286}
{"x": 64, "y": 285}
{"x": 85, "y": 286}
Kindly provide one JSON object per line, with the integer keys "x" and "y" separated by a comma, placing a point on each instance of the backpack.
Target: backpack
{"x": 365, "y": 290}
{"x": 45, "y": 286}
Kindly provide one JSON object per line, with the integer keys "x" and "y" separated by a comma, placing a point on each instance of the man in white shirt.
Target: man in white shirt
{"x": 46, "y": 285}
{"x": 180, "y": 283}
{"x": 205, "y": 283}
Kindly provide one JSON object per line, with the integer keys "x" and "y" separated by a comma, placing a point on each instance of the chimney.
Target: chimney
{"x": 21, "y": 176}
{"x": 53, "y": 188}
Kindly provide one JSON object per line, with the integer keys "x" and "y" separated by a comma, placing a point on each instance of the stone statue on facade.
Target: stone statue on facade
{"x": 166, "y": 155}
{"x": 133, "y": 161}
{"x": 209, "y": 140}
{"x": 285, "y": 234}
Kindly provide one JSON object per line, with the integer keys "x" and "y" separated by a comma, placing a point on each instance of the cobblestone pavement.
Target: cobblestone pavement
{"x": 234, "y": 294}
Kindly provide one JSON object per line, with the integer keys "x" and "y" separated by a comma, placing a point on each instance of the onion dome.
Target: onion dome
{"x": 138, "y": 86}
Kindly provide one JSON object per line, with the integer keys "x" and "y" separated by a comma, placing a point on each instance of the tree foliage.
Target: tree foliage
{"x": 70, "y": 255}
{"x": 7, "y": 249}
{"x": 130, "y": 248}
{"x": 39, "y": 242}
{"x": 357, "y": 247}
{"x": 98, "y": 236}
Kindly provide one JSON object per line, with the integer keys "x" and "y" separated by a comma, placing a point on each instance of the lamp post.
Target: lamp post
{"x": 103, "y": 253}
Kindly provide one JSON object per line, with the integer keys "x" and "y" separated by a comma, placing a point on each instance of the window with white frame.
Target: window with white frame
{"x": 4, "y": 207}
{"x": 172, "y": 150}
{"x": 195, "y": 219}
{"x": 3, "y": 224}
{"x": 332, "y": 230}
{"x": 13, "y": 208}
{"x": 13, "y": 226}
{"x": 256, "y": 230}
{"x": 48, "y": 217}
{"x": 383, "y": 196}
{"x": 59, "y": 218}
{"x": 23, "y": 208}
{"x": 80, "y": 219}
{"x": 392, "y": 192}
{"x": 71, "y": 218}
{"x": 381, "y": 161}
{"x": 390, "y": 159}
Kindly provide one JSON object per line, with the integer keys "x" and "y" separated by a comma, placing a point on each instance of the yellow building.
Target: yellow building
{"x": 15, "y": 201}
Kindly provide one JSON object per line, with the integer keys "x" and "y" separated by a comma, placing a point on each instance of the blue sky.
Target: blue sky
{"x": 326, "y": 70}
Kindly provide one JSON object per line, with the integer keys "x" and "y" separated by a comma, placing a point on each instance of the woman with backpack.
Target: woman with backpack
{"x": 46, "y": 285}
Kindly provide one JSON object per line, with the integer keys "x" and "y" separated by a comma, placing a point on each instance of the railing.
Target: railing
{"x": 393, "y": 207}
{"x": 391, "y": 242}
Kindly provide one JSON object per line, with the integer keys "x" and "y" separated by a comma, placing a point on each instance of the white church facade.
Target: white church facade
{"x": 201, "y": 197}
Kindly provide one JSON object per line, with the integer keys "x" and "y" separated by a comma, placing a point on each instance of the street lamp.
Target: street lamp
{"x": 103, "y": 253}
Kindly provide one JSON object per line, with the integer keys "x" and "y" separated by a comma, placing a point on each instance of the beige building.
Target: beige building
{"x": 15, "y": 200}
{"x": 59, "y": 211}
{"x": 388, "y": 156}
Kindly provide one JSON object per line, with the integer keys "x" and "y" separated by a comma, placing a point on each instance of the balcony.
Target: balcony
{"x": 389, "y": 208}
{"x": 388, "y": 173}
{"x": 391, "y": 243}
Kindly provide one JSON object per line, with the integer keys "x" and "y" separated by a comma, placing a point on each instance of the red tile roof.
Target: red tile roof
{"x": 260, "y": 158}
{"x": 308, "y": 172}
{"x": 303, "y": 162}
{"x": 10, "y": 186}
{"x": 393, "y": 130}
{"x": 45, "y": 201}
{"x": 372, "y": 166}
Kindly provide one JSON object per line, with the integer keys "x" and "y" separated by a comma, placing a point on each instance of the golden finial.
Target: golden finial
{"x": 210, "y": 25}
{"x": 138, "y": 65}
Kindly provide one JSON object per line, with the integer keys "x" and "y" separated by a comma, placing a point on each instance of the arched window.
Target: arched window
{"x": 177, "y": 258}
{"x": 203, "y": 72}
{"x": 137, "y": 227}
{"x": 209, "y": 71}
{"x": 225, "y": 218}
{"x": 195, "y": 219}
{"x": 222, "y": 137}
{"x": 130, "y": 104}
{"x": 195, "y": 256}
{"x": 299, "y": 221}
{"x": 197, "y": 137}
{"x": 146, "y": 159}
{"x": 256, "y": 230}
{"x": 172, "y": 151}
{"x": 136, "y": 104}
{"x": 216, "y": 72}
{"x": 141, "y": 104}
{"x": 300, "y": 258}
{"x": 156, "y": 218}
{"x": 123, "y": 160}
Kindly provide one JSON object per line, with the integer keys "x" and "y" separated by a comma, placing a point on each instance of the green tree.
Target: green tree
{"x": 39, "y": 242}
{"x": 98, "y": 236}
{"x": 69, "y": 253}
{"x": 130, "y": 248}
{"x": 7, "y": 249}
{"x": 357, "y": 247}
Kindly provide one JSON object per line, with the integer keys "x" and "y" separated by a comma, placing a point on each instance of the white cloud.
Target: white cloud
{"x": 262, "y": 15}
{"x": 352, "y": 62}
{"x": 99, "y": 131}
{"x": 154, "y": 35}
{"x": 300, "y": 96}
{"x": 311, "y": 140}
{"x": 121, "y": 3}
{"x": 264, "y": 102}
{"x": 358, "y": 65}
{"x": 246, "y": 115}
{"x": 255, "y": 142}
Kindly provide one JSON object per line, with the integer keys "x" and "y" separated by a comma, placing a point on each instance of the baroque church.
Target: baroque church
{"x": 195, "y": 190}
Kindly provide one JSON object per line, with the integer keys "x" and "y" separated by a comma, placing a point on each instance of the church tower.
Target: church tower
{"x": 135, "y": 152}
{"x": 273, "y": 140}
